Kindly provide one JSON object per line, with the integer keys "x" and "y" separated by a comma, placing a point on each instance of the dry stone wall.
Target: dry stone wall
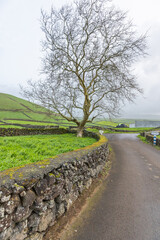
{"x": 31, "y": 131}
{"x": 149, "y": 138}
{"x": 33, "y": 197}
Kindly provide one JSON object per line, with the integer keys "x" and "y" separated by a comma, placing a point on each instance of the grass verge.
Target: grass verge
{"x": 143, "y": 139}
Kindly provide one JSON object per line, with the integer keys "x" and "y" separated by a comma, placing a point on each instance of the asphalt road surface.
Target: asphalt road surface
{"x": 129, "y": 208}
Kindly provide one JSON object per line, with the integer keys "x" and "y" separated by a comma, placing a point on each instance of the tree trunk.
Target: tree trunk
{"x": 80, "y": 131}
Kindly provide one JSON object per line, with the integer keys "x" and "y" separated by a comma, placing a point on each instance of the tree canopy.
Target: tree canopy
{"x": 88, "y": 53}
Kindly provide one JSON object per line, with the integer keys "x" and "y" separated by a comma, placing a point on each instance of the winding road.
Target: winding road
{"x": 129, "y": 207}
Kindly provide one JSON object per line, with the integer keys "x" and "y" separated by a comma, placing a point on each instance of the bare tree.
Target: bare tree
{"x": 89, "y": 49}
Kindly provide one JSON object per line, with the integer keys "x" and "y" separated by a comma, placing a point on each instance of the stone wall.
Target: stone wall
{"x": 149, "y": 138}
{"x": 4, "y": 132}
{"x": 31, "y": 131}
{"x": 34, "y": 196}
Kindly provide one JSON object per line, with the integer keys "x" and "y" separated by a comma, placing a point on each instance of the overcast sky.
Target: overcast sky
{"x": 20, "y": 48}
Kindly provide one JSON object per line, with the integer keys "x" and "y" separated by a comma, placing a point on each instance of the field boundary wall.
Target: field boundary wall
{"x": 149, "y": 138}
{"x": 35, "y": 196}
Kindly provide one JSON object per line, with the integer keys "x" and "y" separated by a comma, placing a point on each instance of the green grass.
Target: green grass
{"x": 115, "y": 122}
{"x": 120, "y": 130}
{"x": 97, "y": 131}
{"x": 143, "y": 139}
{"x": 106, "y": 123}
{"x": 93, "y": 130}
{"x": 10, "y": 114}
{"x": 12, "y": 107}
{"x": 9, "y": 126}
{"x": 125, "y": 121}
{"x": 41, "y": 116}
{"x": 14, "y": 103}
{"x": 17, "y": 151}
{"x": 15, "y": 110}
{"x": 30, "y": 122}
{"x": 135, "y": 129}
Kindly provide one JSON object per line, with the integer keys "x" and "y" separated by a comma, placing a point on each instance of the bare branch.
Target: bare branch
{"x": 89, "y": 49}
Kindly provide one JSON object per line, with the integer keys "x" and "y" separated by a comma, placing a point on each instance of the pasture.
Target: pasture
{"x": 20, "y": 150}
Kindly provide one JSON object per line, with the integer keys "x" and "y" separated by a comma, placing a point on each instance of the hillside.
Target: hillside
{"x": 15, "y": 111}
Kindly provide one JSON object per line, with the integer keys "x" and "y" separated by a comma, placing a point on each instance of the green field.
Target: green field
{"x": 17, "y": 151}
{"x": 106, "y": 123}
{"x": 134, "y": 129}
{"x": 19, "y": 113}
{"x": 121, "y": 130}
{"x": 10, "y": 102}
{"x": 15, "y": 111}
{"x": 115, "y": 122}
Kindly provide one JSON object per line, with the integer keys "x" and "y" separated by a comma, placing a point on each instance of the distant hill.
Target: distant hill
{"x": 15, "y": 111}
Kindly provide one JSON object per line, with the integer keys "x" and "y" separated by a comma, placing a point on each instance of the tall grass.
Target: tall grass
{"x": 17, "y": 151}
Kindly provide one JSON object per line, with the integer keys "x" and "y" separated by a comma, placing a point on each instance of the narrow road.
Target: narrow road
{"x": 129, "y": 207}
